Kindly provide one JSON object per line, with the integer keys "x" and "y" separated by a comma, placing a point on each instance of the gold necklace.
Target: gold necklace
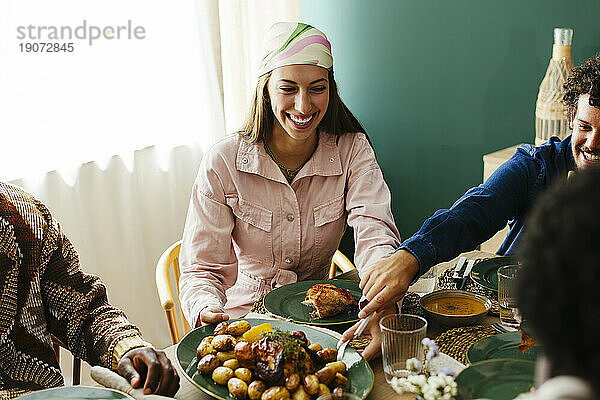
{"x": 289, "y": 173}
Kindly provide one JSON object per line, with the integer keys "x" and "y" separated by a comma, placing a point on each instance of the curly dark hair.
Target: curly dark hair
{"x": 558, "y": 290}
{"x": 584, "y": 79}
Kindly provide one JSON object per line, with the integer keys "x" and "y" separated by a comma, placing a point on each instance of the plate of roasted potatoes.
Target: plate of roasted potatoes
{"x": 260, "y": 359}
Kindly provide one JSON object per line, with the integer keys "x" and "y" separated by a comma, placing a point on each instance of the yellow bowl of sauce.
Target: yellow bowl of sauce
{"x": 455, "y": 307}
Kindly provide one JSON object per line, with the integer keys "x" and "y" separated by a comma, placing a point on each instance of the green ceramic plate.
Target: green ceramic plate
{"x": 485, "y": 273}
{"x": 499, "y": 379}
{"x": 285, "y": 302}
{"x": 75, "y": 392}
{"x": 505, "y": 345}
{"x": 359, "y": 374}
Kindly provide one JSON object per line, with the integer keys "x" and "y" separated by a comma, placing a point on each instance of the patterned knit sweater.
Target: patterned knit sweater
{"x": 43, "y": 292}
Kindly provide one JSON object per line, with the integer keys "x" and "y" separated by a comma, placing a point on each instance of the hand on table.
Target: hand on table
{"x": 150, "y": 367}
{"x": 211, "y": 315}
{"x": 373, "y": 349}
{"x": 386, "y": 282}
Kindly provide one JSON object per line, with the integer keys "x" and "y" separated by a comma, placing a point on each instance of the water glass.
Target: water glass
{"x": 401, "y": 337}
{"x": 507, "y": 295}
{"x": 345, "y": 396}
{"x": 425, "y": 284}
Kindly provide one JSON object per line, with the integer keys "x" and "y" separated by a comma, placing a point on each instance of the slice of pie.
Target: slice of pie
{"x": 329, "y": 300}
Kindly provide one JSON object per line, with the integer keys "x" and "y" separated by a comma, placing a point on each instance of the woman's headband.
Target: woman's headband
{"x": 291, "y": 43}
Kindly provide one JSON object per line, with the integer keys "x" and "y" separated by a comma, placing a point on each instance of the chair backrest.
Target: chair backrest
{"x": 340, "y": 261}
{"x": 169, "y": 293}
{"x": 57, "y": 344}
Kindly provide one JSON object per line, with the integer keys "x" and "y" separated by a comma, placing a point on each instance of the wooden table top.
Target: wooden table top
{"x": 381, "y": 390}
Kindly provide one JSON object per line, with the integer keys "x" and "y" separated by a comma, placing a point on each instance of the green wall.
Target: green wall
{"x": 439, "y": 83}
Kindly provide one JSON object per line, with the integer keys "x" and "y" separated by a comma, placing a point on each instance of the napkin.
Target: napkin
{"x": 110, "y": 379}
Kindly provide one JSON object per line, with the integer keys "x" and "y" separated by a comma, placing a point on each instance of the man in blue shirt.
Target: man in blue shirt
{"x": 506, "y": 197}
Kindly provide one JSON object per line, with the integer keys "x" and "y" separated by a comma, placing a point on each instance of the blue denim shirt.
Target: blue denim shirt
{"x": 505, "y": 197}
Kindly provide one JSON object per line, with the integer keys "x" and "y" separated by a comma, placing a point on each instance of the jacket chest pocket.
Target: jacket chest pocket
{"x": 330, "y": 223}
{"x": 252, "y": 234}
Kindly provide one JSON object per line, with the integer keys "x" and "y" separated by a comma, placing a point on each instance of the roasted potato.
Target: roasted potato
{"x": 256, "y": 389}
{"x": 223, "y": 342}
{"x": 341, "y": 380}
{"x": 300, "y": 394}
{"x": 323, "y": 389}
{"x": 232, "y": 363}
{"x": 326, "y": 375}
{"x": 243, "y": 351}
{"x": 208, "y": 363}
{"x": 238, "y": 328}
{"x": 244, "y": 374}
{"x": 338, "y": 366}
{"x": 237, "y": 388}
{"x": 222, "y": 374}
{"x": 225, "y": 355}
{"x": 311, "y": 384}
{"x": 327, "y": 355}
{"x": 275, "y": 393}
{"x": 205, "y": 347}
{"x": 221, "y": 328}
{"x": 315, "y": 347}
{"x": 292, "y": 382}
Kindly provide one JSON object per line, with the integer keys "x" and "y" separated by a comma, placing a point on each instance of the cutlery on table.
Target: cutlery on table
{"x": 465, "y": 276}
{"x": 459, "y": 268}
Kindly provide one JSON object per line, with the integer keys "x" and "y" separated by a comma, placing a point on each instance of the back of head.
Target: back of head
{"x": 558, "y": 286}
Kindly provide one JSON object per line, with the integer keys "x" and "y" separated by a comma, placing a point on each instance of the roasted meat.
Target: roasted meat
{"x": 329, "y": 300}
{"x": 279, "y": 354}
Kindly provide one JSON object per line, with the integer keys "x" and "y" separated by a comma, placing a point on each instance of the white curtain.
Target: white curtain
{"x": 122, "y": 125}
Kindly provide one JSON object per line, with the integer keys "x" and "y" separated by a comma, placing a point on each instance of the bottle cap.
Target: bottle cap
{"x": 563, "y": 36}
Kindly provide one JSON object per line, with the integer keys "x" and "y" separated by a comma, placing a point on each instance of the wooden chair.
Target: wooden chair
{"x": 168, "y": 293}
{"x": 57, "y": 344}
{"x": 340, "y": 261}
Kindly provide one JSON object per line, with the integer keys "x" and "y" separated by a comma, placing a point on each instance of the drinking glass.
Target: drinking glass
{"x": 507, "y": 296}
{"x": 425, "y": 284}
{"x": 401, "y": 337}
{"x": 345, "y": 396}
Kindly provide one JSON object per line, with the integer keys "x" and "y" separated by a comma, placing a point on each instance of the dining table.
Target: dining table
{"x": 381, "y": 389}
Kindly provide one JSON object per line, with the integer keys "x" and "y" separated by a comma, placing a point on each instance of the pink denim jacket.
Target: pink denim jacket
{"x": 248, "y": 230}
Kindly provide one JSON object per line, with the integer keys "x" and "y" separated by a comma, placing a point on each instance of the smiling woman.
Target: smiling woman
{"x": 270, "y": 204}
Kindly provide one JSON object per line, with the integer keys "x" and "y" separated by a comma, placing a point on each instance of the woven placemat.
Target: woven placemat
{"x": 456, "y": 342}
{"x": 445, "y": 281}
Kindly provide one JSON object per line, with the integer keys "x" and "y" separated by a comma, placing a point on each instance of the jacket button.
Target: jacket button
{"x": 244, "y": 160}
{"x": 290, "y": 217}
{"x": 288, "y": 260}
{"x": 331, "y": 159}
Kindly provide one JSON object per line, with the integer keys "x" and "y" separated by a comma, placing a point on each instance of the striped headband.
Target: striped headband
{"x": 289, "y": 43}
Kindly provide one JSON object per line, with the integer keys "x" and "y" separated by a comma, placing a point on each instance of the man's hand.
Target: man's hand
{"x": 150, "y": 367}
{"x": 374, "y": 347}
{"x": 211, "y": 315}
{"x": 386, "y": 282}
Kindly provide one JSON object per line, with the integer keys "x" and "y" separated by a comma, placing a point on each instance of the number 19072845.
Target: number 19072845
{"x": 44, "y": 47}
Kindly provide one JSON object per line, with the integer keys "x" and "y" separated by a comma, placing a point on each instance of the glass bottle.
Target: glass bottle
{"x": 550, "y": 113}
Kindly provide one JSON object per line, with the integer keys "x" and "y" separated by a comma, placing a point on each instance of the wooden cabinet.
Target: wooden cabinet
{"x": 491, "y": 162}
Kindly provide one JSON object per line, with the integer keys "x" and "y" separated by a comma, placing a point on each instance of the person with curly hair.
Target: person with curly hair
{"x": 557, "y": 287}
{"x": 506, "y": 197}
